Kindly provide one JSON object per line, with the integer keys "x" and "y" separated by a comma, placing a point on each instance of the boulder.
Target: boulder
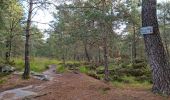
{"x": 40, "y": 76}
{"x": 7, "y": 69}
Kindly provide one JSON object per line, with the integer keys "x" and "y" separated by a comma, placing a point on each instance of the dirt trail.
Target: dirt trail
{"x": 71, "y": 86}
{"x": 24, "y": 92}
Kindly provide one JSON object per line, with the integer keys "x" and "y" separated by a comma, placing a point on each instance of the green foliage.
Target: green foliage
{"x": 138, "y": 72}
{"x": 19, "y": 64}
{"x": 130, "y": 73}
{"x": 71, "y": 65}
{"x": 11, "y": 14}
{"x": 72, "y": 31}
{"x": 36, "y": 64}
{"x": 130, "y": 79}
{"x": 93, "y": 74}
{"x": 83, "y": 69}
{"x": 61, "y": 69}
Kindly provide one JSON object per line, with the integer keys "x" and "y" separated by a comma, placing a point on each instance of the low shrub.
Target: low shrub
{"x": 93, "y": 74}
{"x": 83, "y": 69}
{"x": 139, "y": 71}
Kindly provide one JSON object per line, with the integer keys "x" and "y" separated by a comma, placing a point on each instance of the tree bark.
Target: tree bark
{"x": 27, "y": 60}
{"x": 63, "y": 58}
{"x": 86, "y": 51}
{"x": 99, "y": 55}
{"x": 8, "y": 49}
{"x": 133, "y": 46}
{"x": 155, "y": 49}
{"x": 164, "y": 34}
{"x": 10, "y": 45}
{"x": 75, "y": 52}
{"x": 105, "y": 47}
{"x": 106, "y": 70}
{"x": 7, "y": 54}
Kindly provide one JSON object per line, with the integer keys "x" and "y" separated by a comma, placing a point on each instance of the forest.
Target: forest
{"x": 88, "y": 50}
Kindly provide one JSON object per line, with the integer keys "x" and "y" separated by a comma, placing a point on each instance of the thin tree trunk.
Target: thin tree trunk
{"x": 105, "y": 48}
{"x": 133, "y": 46}
{"x": 63, "y": 58}
{"x": 86, "y": 51}
{"x": 7, "y": 55}
{"x": 155, "y": 49}
{"x": 75, "y": 52}
{"x": 106, "y": 70}
{"x": 9, "y": 48}
{"x": 99, "y": 54}
{"x": 27, "y": 60}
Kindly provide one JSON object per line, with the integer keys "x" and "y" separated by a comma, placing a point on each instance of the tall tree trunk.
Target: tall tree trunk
{"x": 105, "y": 47}
{"x": 155, "y": 50}
{"x": 106, "y": 70}
{"x": 9, "y": 48}
{"x": 27, "y": 59}
{"x": 10, "y": 45}
{"x": 133, "y": 58}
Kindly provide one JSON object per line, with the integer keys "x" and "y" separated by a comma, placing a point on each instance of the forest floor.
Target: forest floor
{"x": 69, "y": 86}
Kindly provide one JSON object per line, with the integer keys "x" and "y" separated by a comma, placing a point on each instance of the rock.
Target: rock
{"x": 7, "y": 69}
{"x": 41, "y": 77}
{"x": 45, "y": 78}
{"x": 13, "y": 69}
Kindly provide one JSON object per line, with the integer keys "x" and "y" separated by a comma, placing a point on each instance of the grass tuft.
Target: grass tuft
{"x": 61, "y": 69}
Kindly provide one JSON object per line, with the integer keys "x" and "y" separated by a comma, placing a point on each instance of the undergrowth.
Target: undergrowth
{"x": 122, "y": 75}
{"x": 36, "y": 64}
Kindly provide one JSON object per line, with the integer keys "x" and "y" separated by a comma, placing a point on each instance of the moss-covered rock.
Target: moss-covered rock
{"x": 139, "y": 70}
